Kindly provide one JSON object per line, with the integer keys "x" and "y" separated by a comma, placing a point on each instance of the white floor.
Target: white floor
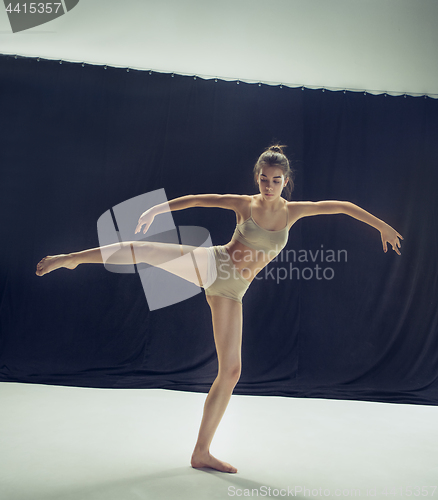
{"x": 67, "y": 443}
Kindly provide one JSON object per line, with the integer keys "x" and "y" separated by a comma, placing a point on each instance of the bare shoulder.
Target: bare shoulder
{"x": 296, "y": 210}
{"x": 242, "y": 202}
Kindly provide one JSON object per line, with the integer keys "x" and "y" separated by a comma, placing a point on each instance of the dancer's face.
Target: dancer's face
{"x": 271, "y": 182}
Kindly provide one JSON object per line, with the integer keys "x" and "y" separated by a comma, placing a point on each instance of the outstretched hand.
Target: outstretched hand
{"x": 145, "y": 219}
{"x": 391, "y": 236}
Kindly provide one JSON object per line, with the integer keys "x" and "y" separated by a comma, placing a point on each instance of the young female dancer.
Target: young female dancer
{"x": 225, "y": 272}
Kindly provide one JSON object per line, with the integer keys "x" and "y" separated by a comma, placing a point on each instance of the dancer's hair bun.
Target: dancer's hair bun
{"x": 277, "y": 148}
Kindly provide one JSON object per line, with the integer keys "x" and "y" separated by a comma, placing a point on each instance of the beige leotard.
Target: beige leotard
{"x": 255, "y": 237}
{"x": 228, "y": 281}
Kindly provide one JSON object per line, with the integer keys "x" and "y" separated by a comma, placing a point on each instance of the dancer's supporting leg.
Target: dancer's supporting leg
{"x": 226, "y": 315}
{"x": 227, "y": 327}
{"x": 163, "y": 255}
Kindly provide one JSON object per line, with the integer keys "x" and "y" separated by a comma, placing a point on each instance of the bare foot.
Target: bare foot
{"x": 52, "y": 262}
{"x": 207, "y": 460}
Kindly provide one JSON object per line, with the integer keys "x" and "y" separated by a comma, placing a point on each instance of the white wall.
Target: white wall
{"x": 382, "y": 45}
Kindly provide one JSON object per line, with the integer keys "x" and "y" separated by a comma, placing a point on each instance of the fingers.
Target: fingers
{"x": 145, "y": 219}
{"x": 138, "y": 228}
{"x": 393, "y": 240}
{"x": 396, "y": 246}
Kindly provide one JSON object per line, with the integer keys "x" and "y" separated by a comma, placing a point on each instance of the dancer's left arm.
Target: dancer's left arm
{"x": 387, "y": 233}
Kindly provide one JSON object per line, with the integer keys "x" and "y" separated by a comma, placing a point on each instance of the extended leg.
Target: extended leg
{"x": 227, "y": 327}
{"x": 164, "y": 255}
{"x": 117, "y": 253}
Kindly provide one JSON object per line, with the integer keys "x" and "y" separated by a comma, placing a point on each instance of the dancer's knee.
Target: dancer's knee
{"x": 143, "y": 250}
{"x": 230, "y": 373}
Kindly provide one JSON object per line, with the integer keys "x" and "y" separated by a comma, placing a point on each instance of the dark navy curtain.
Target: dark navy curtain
{"x": 332, "y": 317}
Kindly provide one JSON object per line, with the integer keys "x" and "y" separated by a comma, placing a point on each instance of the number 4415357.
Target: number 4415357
{"x": 34, "y": 8}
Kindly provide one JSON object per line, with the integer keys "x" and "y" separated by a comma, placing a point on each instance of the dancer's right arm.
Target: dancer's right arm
{"x": 230, "y": 201}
